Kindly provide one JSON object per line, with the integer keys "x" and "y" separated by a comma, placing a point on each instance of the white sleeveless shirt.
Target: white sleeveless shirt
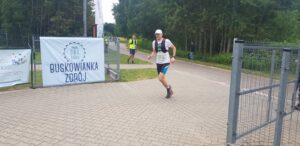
{"x": 161, "y": 57}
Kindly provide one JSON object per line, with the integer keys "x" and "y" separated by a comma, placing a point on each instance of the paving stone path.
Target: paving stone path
{"x": 134, "y": 113}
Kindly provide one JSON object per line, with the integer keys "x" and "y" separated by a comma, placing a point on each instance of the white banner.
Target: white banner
{"x": 14, "y": 67}
{"x": 72, "y": 60}
{"x": 99, "y": 17}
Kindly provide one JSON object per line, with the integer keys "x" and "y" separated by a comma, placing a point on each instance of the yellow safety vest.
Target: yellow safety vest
{"x": 132, "y": 44}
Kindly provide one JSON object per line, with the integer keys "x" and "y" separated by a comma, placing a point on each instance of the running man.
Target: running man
{"x": 132, "y": 47}
{"x": 161, "y": 50}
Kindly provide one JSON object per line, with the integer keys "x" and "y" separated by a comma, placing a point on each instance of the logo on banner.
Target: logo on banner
{"x": 18, "y": 59}
{"x": 69, "y": 60}
{"x": 74, "y": 52}
{"x": 14, "y": 66}
{"x": 75, "y": 68}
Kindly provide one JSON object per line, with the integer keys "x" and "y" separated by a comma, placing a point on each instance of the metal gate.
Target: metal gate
{"x": 263, "y": 95}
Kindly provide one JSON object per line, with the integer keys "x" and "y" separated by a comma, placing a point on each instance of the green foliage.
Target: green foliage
{"x": 211, "y": 25}
{"x": 109, "y": 29}
{"x": 225, "y": 58}
{"x": 145, "y": 45}
{"x": 21, "y": 19}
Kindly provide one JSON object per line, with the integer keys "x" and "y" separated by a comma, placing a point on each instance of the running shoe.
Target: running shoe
{"x": 297, "y": 107}
{"x": 169, "y": 92}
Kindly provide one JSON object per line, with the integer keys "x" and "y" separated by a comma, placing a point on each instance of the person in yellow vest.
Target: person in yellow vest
{"x": 132, "y": 49}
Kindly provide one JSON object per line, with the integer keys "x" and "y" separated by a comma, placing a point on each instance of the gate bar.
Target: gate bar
{"x": 296, "y": 84}
{"x": 263, "y": 88}
{"x": 282, "y": 96}
{"x": 234, "y": 90}
{"x": 268, "y": 114}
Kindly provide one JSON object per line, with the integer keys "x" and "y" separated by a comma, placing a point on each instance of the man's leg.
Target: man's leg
{"x": 132, "y": 59}
{"x": 128, "y": 59}
{"x": 162, "y": 79}
{"x": 162, "y": 70}
{"x": 130, "y": 56}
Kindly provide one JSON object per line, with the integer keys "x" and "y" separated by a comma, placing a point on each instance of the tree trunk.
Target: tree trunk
{"x": 224, "y": 41}
{"x": 229, "y": 45}
{"x": 200, "y": 43}
{"x": 211, "y": 42}
{"x": 186, "y": 40}
{"x": 205, "y": 44}
{"x": 221, "y": 43}
{"x": 32, "y": 16}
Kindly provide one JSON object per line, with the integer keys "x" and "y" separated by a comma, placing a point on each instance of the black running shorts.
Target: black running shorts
{"x": 163, "y": 68}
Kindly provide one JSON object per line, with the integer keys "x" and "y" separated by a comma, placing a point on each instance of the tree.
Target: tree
{"x": 21, "y": 19}
{"x": 211, "y": 24}
{"x": 109, "y": 28}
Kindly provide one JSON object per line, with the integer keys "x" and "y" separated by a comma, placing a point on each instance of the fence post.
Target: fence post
{"x": 282, "y": 96}
{"x": 234, "y": 91}
{"x": 268, "y": 114}
{"x": 6, "y": 37}
{"x": 33, "y": 63}
{"x": 294, "y": 98}
{"x": 118, "y": 59}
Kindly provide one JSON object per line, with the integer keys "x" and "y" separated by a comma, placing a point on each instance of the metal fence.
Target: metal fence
{"x": 7, "y": 42}
{"x": 112, "y": 61}
{"x": 112, "y": 58}
{"x": 10, "y": 41}
{"x": 263, "y": 95}
{"x": 3, "y": 39}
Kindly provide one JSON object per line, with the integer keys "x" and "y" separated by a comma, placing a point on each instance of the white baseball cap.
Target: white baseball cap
{"x": 158, "y": 31}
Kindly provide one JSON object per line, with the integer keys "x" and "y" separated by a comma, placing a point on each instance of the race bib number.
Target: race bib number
{"x": 161, "y": 57}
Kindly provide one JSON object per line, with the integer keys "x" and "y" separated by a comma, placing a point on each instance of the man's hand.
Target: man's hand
{"x": 173, "y": 60}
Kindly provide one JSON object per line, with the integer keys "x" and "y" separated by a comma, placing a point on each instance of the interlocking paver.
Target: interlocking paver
{"x": 12, "y": 141}
{"x": 134, "y": 113}
{"x": 45, "y": 144}
{"x": 4, "y": 144}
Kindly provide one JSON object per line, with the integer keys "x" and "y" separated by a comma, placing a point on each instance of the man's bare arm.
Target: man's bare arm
{"x": 152, "y": 54}
{"x": 174, "y": 50}
{"x": 174, "y": 54}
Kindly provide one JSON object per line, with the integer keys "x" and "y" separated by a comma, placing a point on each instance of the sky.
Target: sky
{"x": 107, "y": 6}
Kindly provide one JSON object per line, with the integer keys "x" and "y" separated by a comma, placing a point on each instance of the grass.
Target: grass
{"x": 39, "y": 81}
{"x": 38, "y": 58}
{"x": 137, "y": 74}
{"x": 127, "y": 75}
{"x": 123, "y": 60}
{"x": 16, "y": 87}
{"x": 222, "y": 66}
{"x": 123, "y": 40}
